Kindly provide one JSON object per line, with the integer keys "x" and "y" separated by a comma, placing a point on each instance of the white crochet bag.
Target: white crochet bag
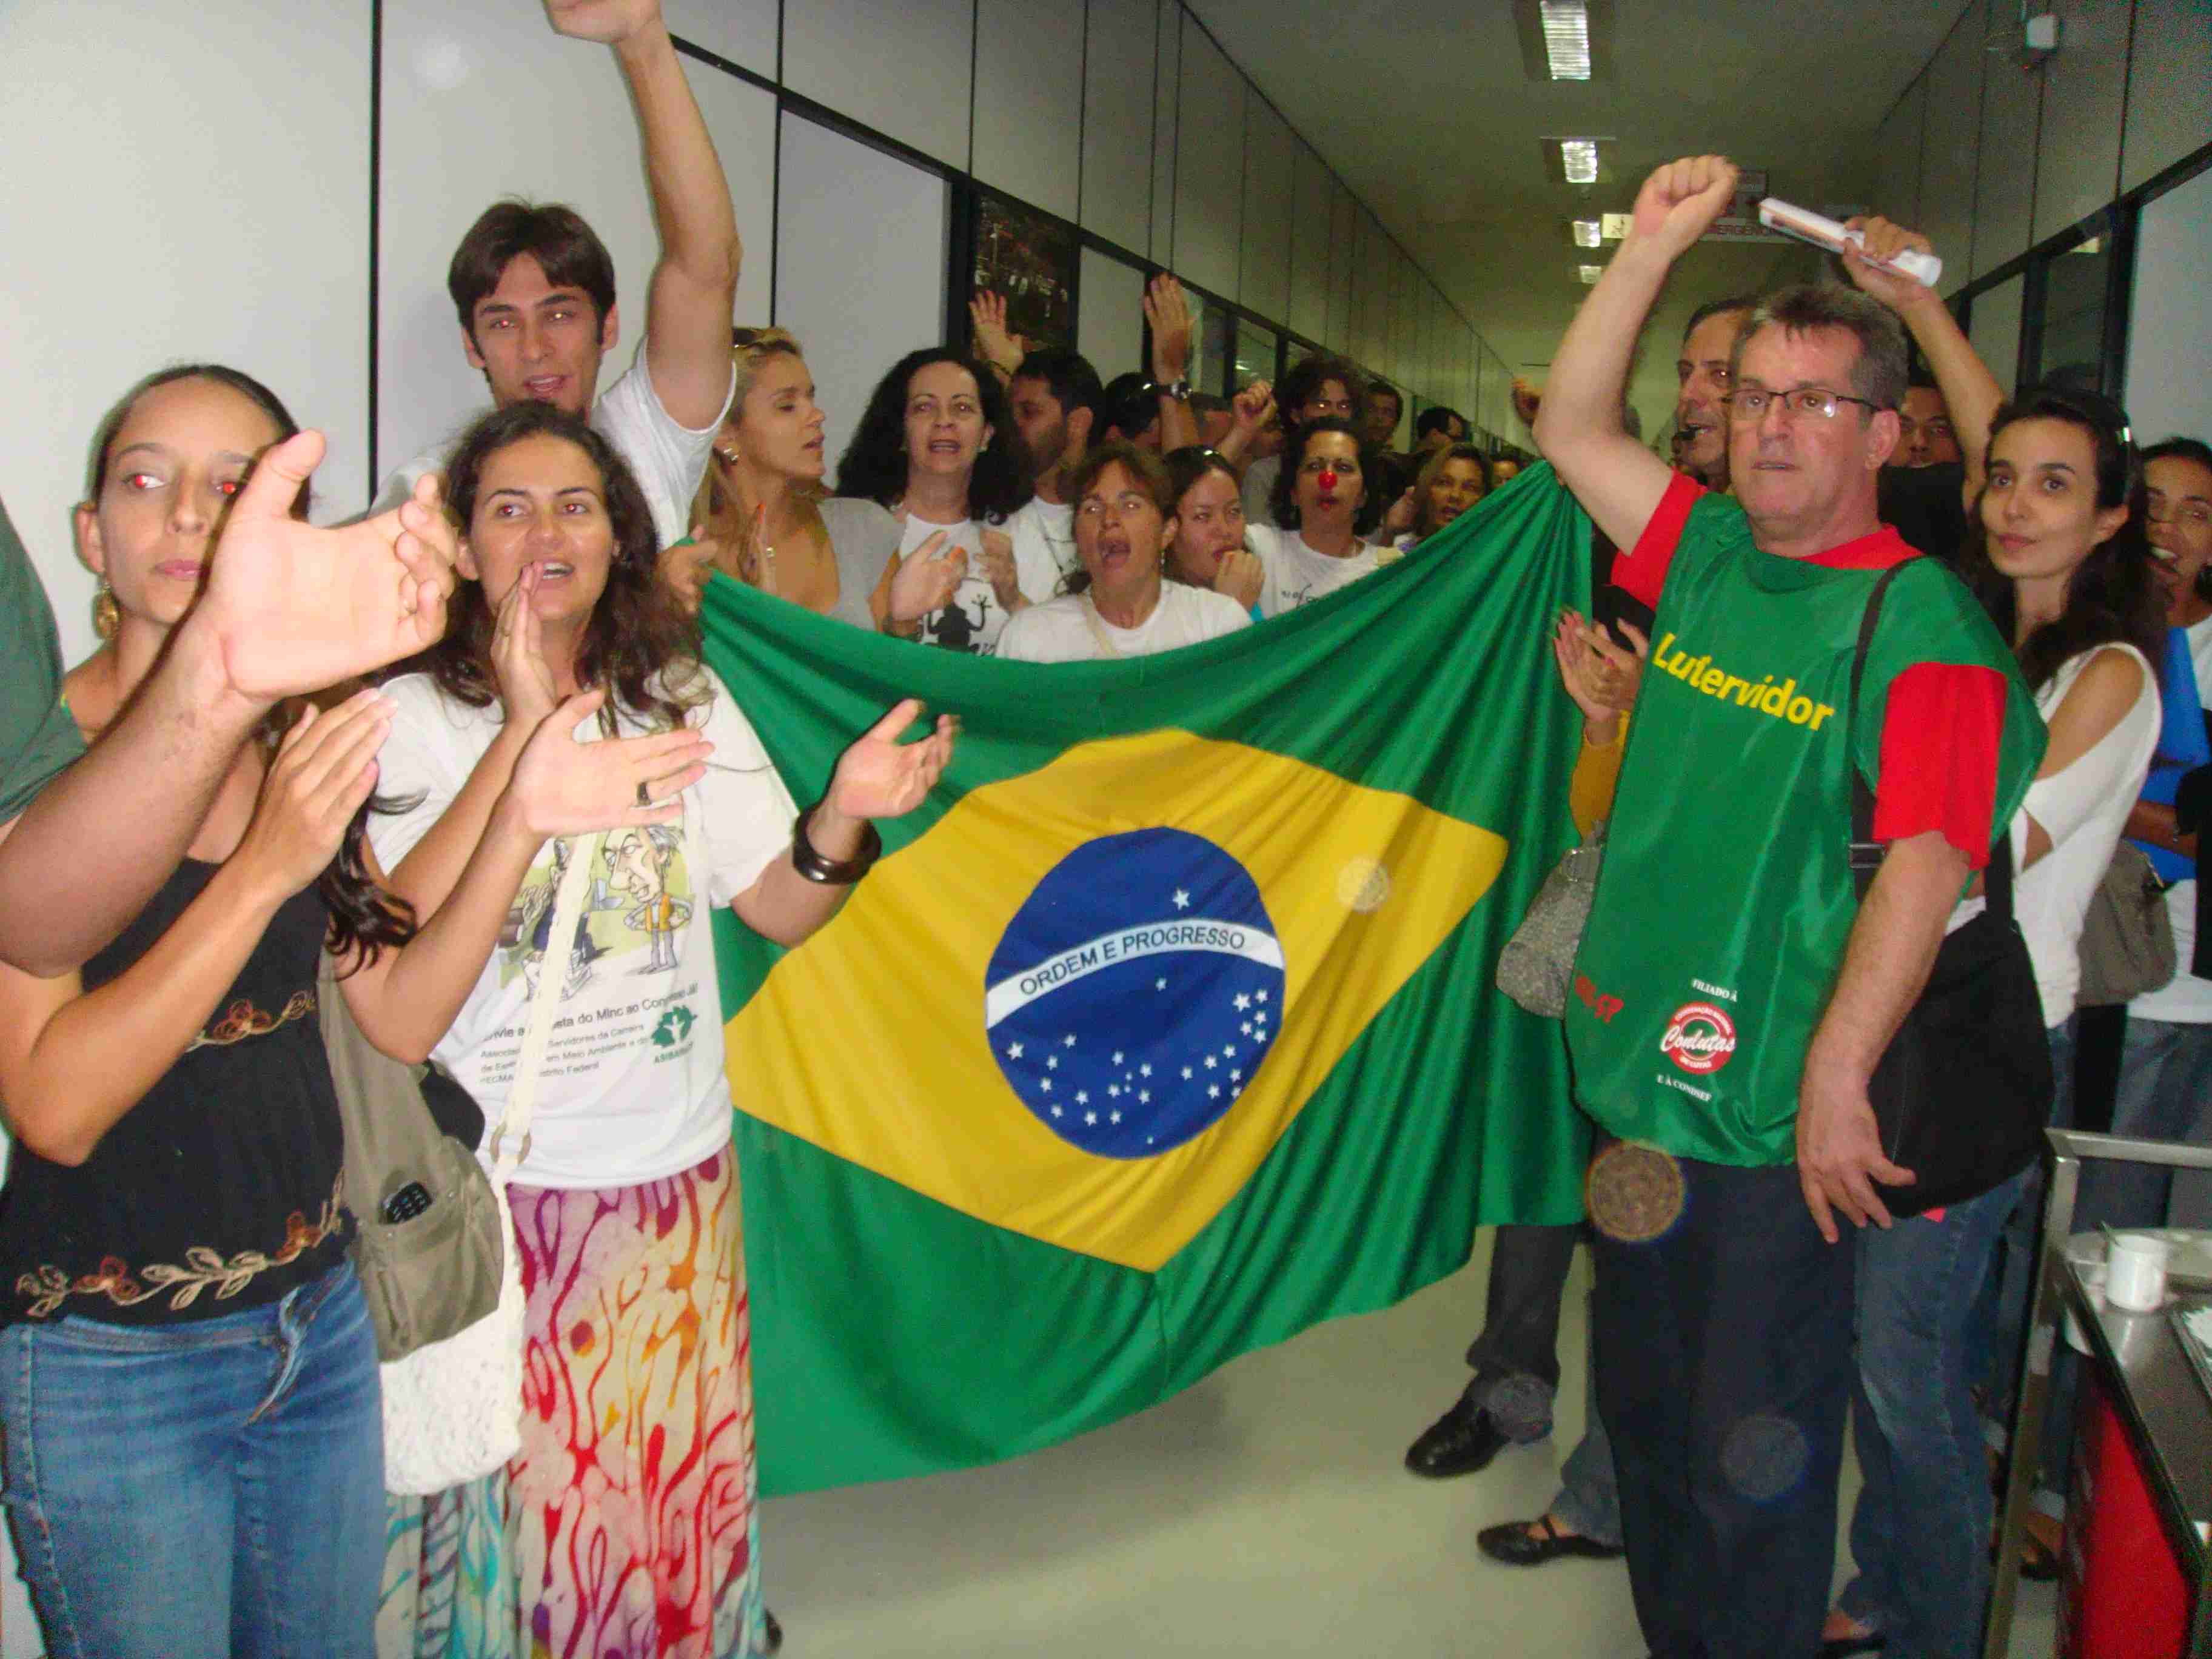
{"x": 453, "y": 1409}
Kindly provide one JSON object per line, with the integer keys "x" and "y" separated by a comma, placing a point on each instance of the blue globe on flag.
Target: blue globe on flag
{"x": 1135, "y": 993}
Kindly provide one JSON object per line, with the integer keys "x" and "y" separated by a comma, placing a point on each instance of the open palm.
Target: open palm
{"x": 880, "y": 777}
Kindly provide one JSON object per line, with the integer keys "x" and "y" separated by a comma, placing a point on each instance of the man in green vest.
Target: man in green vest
{"x": 1742, "y": 996}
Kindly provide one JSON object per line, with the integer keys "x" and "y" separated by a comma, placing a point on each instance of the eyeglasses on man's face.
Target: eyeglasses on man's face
{"x": 1806, "y": 402}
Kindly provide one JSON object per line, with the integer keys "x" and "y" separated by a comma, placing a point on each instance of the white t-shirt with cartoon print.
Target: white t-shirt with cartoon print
{"x": 974, "y": 618}
{"x": 1295, "y": 576}
{"x": 633, "y": 1088}
{"x": 668, "y": 458}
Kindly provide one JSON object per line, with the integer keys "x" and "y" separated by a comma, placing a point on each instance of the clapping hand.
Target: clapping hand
{"x": 525, "y": 683}
{"x": 564, "y": 788}
{"x": 880, "y": 777}
{"x": 998, "y": 569}
{"x": 325, "y": 769}
{"x": 1602, "y": 678}
{"x": 1400, "y": 519}
{"x": 291, "y": 609}
{"x": 997, "y": 345}
{"x": 1167, "y": 313}
{"x": 924, "y": 582}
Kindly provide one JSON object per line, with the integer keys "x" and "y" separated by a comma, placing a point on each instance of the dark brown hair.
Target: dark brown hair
{"x": 566, "y": 249}
{"x": 1152, "y": 476}
{"x": 2112, "y": 598}
{"x": 1372, "y": 484}
{"x": 364, "y": 918}
{"x": 638, "y": 634}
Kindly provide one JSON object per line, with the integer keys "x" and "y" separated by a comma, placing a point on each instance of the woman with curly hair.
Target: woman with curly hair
{"x": 761, "y": 517}
{"x": 625, "y": 1523}
{"x": 195, "y": 1444}
{"x": 936, "y": 447}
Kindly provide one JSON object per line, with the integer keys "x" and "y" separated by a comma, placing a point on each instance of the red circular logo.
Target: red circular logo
{"x": 1698, "y": 1038}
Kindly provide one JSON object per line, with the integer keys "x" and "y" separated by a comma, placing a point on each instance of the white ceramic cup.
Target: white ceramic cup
{"x": 2135, "y": 1272}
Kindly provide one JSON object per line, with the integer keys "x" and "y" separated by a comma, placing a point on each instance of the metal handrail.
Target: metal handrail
{"x": 2069, "y": 1147}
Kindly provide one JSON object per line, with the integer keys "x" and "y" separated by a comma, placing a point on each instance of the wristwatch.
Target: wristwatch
{"x": 1178, "y": 390}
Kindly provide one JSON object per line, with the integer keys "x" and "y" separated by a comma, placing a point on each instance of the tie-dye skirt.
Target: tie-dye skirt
{"x": 624, "y": 1528}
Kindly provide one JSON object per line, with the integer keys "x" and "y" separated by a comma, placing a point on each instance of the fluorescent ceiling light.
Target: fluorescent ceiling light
{"x": 1565, "y": 24}
{"x": 1587, "y": 233}
{"x": 1615, "y": 226}
{"x": 1589, "y": 273}
{"x": 1578, "y": 160}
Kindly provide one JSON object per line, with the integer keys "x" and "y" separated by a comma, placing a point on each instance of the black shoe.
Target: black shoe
{"x": 771, "y": 1639}
{"x": 1845, "y": 1647}
{"x": 1462, "y": 1441}
{"x": 1532, "y": 1543}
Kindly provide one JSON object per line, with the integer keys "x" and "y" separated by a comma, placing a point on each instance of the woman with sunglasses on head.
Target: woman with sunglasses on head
{"x": 1121, "y": 602}
{"x": 626, "y": 1521}
{"x": 195, "y": 1445}
{"x": 762, "y": 517}
{"x": 936, "y": 448}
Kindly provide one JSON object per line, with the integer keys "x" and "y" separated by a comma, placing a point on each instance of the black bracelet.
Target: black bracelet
{"x": 829, "y": 871}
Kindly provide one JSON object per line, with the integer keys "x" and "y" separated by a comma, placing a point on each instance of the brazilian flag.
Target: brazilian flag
{"x": 1166, "y": 1028}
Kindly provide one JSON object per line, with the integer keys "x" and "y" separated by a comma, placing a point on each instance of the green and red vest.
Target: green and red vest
{"x": 1726, "y": 899}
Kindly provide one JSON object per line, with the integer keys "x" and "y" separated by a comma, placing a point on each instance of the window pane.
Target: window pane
{"x": 1255, "y": 354}
{"x": 2074, "y": 291}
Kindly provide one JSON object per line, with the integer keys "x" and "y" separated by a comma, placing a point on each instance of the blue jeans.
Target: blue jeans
{"x": 2164, "y": 1094}
{"x": 1920, "y": 1533}
{"x": 191, "y": 1492}
{"x": 1588, "y": 1499}
{"x": 2005, "y": 1309}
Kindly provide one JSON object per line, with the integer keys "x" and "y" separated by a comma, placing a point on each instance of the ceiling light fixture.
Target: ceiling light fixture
{"x": 1578, "y": 160}
{"x": 1565, "y": 24}
{"x": 1589, "y": 273}
{"x": 1615, "y": 226}
{"x": 1589, "y": 232}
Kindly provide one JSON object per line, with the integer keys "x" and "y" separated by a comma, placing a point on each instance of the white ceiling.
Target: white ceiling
{"x": 1429, "y": 114}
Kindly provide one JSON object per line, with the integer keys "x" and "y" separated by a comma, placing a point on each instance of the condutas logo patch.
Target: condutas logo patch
{"x": 1136, "y": 992}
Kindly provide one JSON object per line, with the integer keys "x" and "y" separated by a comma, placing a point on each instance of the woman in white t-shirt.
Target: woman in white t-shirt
{"x": 936, "y": 448}
{"x": 627, "y": 1515}
{"x": 1120, "y": 603}
{"x": 1325, "y": 500}
{"x": 760, "y": 517}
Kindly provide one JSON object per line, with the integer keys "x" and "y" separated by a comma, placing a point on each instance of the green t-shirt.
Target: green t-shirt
{"x": 37, "y": 736}
{"x": 1725, "y": 899}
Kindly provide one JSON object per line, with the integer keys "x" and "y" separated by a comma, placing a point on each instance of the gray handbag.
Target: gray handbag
{"x": 1537, "y": 965}
{"x": 427, "y": 1233}
{"x": 2127, "y": 938}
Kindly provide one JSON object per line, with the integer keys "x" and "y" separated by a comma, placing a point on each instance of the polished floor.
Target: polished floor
{"x": 1263, "y": 1511}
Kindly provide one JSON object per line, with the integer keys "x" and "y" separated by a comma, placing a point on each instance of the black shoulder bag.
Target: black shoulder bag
{"x": 1964, "y": 1093}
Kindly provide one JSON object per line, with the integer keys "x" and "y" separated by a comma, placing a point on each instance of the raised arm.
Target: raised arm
{"x": 990, "y": 340}
{"x": 1970, "y": 391}
{"x": 1250, "y": 410}
{"x": 289, "y": 609}
{"x": 73, "y": 1063}
{"x": 1167, "y": 312}
{"x": 687, "y": 324}
{"x": 1578, "y": 425}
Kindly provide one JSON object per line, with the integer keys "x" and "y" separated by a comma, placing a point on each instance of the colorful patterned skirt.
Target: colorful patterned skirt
{"x": 624, "y": 1528}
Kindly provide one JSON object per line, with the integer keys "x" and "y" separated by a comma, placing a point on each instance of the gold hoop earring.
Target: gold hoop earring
{"x": 106, "y": 615}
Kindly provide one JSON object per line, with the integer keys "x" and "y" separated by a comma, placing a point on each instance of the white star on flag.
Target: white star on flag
{"x": 1246, "y": 1028}
{"x": 1236, "y": 1077}
{"x": 1242, "y": 1002}
{"x": 1083, "y": 1096}
{"x": 1091, "y": 1117}
{"x": 1262, "y": 996}
{"x": 1182, "y": 899}
{"x": 1159, "y": 985}
{"x": 1145, "y": 1070}
{"x": 1144, "y": 1096}
{"x": 1186, "y": 1071}
{"x": 1113, "y": 1117}
{"x": 1046, "y": 1085}
{"x": 1213, "y": 1091}
{"x": 1229, "y": 1051}
{"x": 1114, "y": 1090}
{"x": 1052, "y": 1062}
{"x": 1069, "y": 1040}
{"x": 1209, "y": 1063}
{"x": 1055, "y": 1111}
{"x": 1014, "y": 1051}
{"x": 1117, "y": 1056}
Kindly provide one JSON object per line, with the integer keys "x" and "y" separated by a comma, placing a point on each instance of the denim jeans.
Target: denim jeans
{"x": 2164, "y": 1094}
{"x": 1920, "y": 1533}
{"x": 2005, "y": 1306}
{"x": 1588, "y": 1500}
{"x": 195, "y": 1491}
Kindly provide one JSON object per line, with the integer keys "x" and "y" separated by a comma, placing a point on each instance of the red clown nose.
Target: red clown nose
{"x": 1328, "y": 481}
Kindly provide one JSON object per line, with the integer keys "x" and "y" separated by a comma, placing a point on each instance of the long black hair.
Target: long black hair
{"x": 1373, "y": 484}
{"x": 364, "y": 918}
{"x": 2112, "y": 598}
{"x": 874, "y": 464}
{"x": 639, "y": 643}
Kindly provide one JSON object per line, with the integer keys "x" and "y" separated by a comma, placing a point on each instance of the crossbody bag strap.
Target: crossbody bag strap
{"x": 510, "y": 1141}
{"x": 1865, "y": 851}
